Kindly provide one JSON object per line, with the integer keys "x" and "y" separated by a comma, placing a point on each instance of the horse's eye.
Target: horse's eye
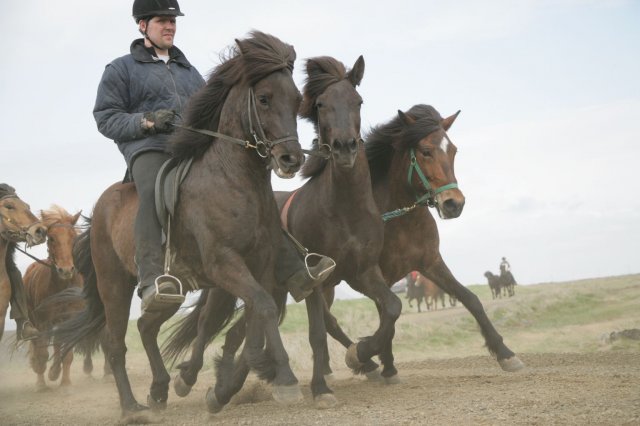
{"x": 426, "y": 153}
{"x": 263, "y": 100}
{"x": 9, "y": 206}
{"x": 319, "y": 105}
{"x": 52, "y": 240}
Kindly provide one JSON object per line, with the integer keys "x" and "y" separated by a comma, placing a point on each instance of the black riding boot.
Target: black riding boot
{"x": 148, "y": 236}
{"x": 292, "y": 271}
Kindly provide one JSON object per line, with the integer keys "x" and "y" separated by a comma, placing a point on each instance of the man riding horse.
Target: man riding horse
{"x": 140, "y": 97}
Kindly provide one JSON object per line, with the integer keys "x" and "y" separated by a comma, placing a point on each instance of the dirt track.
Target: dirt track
{"x": 599, "y": 388}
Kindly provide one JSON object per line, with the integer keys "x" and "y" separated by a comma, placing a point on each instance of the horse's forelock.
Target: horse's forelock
{"x": 56, "y": 215}
{"x": 322, "y": 72}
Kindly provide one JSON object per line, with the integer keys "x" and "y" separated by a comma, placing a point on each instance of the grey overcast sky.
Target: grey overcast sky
{"x": 549, "y": 92}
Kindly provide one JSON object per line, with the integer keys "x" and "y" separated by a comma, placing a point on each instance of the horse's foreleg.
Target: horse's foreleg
{"x": 322, "y": 395}
{"x": 66, "y": 368}
{"x": 372, "y": 284}
{"x": 5, "y": 296}
{"x": 38, "y": 356}
{"x": 439, "y": 273}
{"x": 149, "y": 326}
{"x": 56, "y": 364}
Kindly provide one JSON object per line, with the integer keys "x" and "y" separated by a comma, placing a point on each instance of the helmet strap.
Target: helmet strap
{"x": 146, "y": 36}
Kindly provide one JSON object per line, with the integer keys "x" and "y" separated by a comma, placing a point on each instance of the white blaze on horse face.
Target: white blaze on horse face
{"x": 444, "y": 144}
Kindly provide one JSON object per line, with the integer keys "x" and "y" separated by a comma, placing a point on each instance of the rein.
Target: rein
{"x": 261, "y": 144}
{"x": 40, "y": 261}
{"x": 426, "y": 199}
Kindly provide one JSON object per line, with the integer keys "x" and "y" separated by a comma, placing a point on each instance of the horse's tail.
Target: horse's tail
{"x": 215, "y": 307}
{"x": 83, "y": 329}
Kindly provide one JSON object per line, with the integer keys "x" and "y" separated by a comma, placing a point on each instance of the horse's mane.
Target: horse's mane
{"x": 249, "y": 61}
{"x": 56, "y": 215}
{"x": 6, "y": 189}
{"x": 382, "y": 140}
{"x": 322, "y": 72}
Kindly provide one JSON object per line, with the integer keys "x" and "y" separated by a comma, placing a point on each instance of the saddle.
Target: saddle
{"x": 168, "y": 181}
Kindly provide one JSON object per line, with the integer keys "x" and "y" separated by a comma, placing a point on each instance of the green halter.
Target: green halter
{"x": 427, "y": 199}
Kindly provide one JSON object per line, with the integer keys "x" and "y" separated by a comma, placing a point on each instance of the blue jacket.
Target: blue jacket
{"x": 137, "y": 83}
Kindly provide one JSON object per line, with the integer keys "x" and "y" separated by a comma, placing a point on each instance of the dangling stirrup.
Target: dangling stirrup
{"x": 324, "y": 271}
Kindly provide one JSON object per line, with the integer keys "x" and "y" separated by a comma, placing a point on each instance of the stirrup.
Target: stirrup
{"x": 169, "y": 298}
{"x": 328, "y": 269}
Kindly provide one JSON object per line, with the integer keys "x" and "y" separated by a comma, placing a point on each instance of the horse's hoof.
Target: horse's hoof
{"x": 156, "y": 405}
{"x": 41, "y": 387}
{"x": 351, "y": 358}
{"x": 180, "y": 387}
{"x": 287, "y": 394}
{"x": 325, "y": 400}
{"x": 212, "y": 402}
{"x": 392, "y": 380}
{"x": 136, "y": 415}
{"x": 374, "y": 376}
{"x": 512, "y": 364}
{"x": 54, "y": 373}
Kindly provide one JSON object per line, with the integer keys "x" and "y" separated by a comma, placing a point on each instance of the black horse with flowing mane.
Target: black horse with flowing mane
{"x": 333, "y": 213}
{"x": 411, "y": 159}
{"x": 226, "y": 227}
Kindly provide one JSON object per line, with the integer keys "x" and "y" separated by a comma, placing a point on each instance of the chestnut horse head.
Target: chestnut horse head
{"x": 61, "y": 234}
{"x": 414, "y": 148}
{"x": 17, "y": 223}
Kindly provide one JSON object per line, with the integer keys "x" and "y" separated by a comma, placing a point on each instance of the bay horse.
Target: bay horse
{"x": 333, "y": 213}
{"x": 414, "y": 289}
{"x": 17, "y": 224}
{"x": 44, "y": 279}
{"x": 226, "y": 227}
{"x": 411, "y": 159}
{"x": 431, "y": 292}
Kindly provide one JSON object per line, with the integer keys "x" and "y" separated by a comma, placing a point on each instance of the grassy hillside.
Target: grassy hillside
{"x": 549, "y": 317}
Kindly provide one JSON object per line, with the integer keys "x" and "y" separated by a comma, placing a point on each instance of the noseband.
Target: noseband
{"x": 261, "y": 143}
{"x": 426, "y": 199}
{"x": 17, "y": 233}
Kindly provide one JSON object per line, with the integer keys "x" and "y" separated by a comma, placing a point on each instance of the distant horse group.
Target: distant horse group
{"x": 421, "y": 288}
{"x": 366, "y": 198}
{"x": 501, "y": 285}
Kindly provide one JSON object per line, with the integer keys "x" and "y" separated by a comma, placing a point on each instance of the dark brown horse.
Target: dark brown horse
{"x": 411, "y": 159}
{"x": 226, "y": 227}
{"x": 47, "y": 278}
{"x": 17, "y": 224}
{"x": 333, "y": 213}
{"x": 495, "y": 284}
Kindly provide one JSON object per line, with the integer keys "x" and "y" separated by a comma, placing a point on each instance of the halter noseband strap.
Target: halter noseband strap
{"x": 426, "y": 199}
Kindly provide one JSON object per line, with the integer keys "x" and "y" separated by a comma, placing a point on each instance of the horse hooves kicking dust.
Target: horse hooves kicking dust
{"x": 351, "y": 358}
{"x": 512, "y": 364}
{"x": 212, "y": 402}
{"x": 325, "y": 400}
{"x": 287, "y": 395}
{"x": 180, "y": 387}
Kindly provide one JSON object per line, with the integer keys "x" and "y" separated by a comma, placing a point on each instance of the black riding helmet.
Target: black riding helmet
{"x": 147, "y": 9}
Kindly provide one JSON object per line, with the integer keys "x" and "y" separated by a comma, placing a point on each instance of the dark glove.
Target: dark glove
{"x": 162, "y": 120}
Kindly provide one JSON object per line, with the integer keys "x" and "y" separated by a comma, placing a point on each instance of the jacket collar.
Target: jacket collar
{"x": 141, "y": 53}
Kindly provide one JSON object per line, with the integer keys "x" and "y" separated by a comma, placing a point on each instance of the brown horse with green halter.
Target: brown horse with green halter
{"x": 411, "y": 159}
{"x": 226, "y": 227}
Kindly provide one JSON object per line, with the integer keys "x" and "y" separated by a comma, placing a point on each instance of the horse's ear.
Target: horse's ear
{"x": 447, "y": 122}
{"x": 239, "y": 44}
{"x": 357, "y": 72}
{"x": 76, "y": 217}
{"x": 406, "y": 118}
{"x": 313, "y": 67}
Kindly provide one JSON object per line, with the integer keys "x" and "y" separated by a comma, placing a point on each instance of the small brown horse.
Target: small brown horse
{"x": 46, "y": 278}
{"x": 226, "y": 226}
{"x": 17, "y": 224}
{"x": 411, "y": 159}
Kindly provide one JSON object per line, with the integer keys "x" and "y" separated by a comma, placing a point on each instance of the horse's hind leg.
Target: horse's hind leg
{"x": 56, "y": 364}
{"x": 149, "y": 326}
{"x": 38, "y": 356}
{"x": 439, "y": 273}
